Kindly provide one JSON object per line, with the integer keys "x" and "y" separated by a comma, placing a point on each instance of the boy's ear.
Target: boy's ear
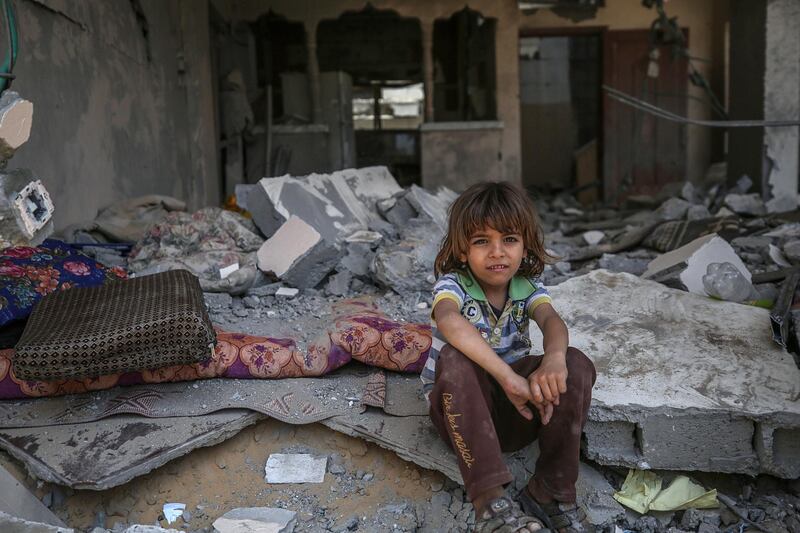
{"x": 462, "y": 258}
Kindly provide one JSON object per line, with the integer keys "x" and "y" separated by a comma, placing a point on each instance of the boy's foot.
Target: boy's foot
{"x": 502, "y": 515}
{"x": 557, "y": 516}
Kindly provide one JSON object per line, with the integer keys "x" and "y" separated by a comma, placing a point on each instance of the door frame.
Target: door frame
{"x": 566, "y": 31}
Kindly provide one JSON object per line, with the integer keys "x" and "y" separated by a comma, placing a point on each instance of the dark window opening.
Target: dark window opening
{"x": 464, "y": 68}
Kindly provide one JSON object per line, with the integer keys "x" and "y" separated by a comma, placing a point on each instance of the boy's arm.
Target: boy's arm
{"x": 463, "y": 336}
{"x": 550, "y": 379}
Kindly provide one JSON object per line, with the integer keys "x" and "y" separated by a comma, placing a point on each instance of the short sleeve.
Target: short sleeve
{"x": 447, "y": 288}
{"x": 538, "y": 297}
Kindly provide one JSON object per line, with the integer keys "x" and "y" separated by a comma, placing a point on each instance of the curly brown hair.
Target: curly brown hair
{"x": 498, "y": 205}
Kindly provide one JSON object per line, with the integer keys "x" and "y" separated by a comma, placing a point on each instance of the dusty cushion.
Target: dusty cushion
{"x": 148, "y": 322}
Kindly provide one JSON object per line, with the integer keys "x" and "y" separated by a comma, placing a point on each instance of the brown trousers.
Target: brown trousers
{"x": 475, "y": 418}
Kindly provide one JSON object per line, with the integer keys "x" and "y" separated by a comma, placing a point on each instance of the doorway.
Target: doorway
{"x": 560, "y": 110}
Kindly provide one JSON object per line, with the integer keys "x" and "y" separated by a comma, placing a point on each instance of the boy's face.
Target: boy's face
{"x": 494, "y": 257}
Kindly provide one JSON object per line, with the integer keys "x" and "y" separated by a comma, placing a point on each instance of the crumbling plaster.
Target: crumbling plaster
{"x": 108, "y": 123}
{"x": 782, "y": 96}
{"x": 706, "y": 28}
{"x": 505, "y": 12}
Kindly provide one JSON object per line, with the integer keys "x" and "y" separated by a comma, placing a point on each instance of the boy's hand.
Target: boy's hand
{"x": 549, "y": 380}
{"x": 519, "y": 393}
{"x": 545, "y": 411}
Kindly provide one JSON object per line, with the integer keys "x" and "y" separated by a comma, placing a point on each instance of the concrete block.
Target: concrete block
{"x": 295, "y": 468}
{"x": 26, "y": 210}
{"x": 397, "y": 210}
{"x": 16, "y": 117}
{"x": 298, "y": 254}
{"x": 256, "y": 520}
{"x": 686, "y": 266}
{"x": 708, "y": 442}
{"x": 612, "y": 442}
{"x": 778, "y": 450}
{"x": 681, "y": 368}
{"x": 336, "y": 204}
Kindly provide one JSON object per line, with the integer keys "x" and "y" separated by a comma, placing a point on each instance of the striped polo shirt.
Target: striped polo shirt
{"x": 506, "y": 334}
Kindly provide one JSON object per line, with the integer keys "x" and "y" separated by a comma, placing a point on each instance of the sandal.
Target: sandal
{"x": 503, "y": 515}
{"x": 556, "y": 516}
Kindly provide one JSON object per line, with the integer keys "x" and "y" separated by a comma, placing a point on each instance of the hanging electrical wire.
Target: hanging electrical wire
{"x": 7, "y": 68}
{"x": 668, "y": 115}
{"x": 666, "y": 31}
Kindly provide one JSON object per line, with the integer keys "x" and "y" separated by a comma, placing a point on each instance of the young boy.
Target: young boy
{"x": 480, "y": 379}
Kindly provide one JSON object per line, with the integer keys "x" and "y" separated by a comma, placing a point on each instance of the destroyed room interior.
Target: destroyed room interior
{"x": 221, "y": 284}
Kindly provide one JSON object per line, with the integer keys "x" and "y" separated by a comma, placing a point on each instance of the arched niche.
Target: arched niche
{"x": 464, "y": 67}
{"x": 371, "y": 45}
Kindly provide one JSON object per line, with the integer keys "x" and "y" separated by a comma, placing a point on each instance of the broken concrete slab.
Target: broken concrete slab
{"x": 16, "y": 118}
{"x": 397, "y": 210}
{"x": 334, "y": 204}
{"x": 746, "y": 204}
{"x": 433, "y": 206}
{"x": 256, "y": 520}
{"x": 19, "y": 502}
{"x": 110, "y": 452}
{"x": 26, "y": 210}
{"x": 295, "y": 468}
{"x": 685, "y": 267}
{"x": 297, "y": 254}
{"x": 406, "y": 265}
{"x": 678, "y": 386}
{"x": 12, "y": 524}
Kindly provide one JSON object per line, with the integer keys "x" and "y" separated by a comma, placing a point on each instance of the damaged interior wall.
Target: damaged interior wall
{"x": 440, "y": 161}
{"x": 110, "y": 102}
{"x": 705, "y": 22}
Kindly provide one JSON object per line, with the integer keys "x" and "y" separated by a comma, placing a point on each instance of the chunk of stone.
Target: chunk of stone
{"x": 620, "y": 263}
{"x": 16, "y": 118}
{"x": 397, "y": 210}
{"x": 358, "y": 259}
{"x": 432, "y": 205}
{"x": 746, "y": 204}
{"x": 697, "y": 212}
{"x": 26, "y": 210}
{"x": 334, "y": 204}
{"x": 673, "y": 209}
{"x": 298, "y": 254}
{"x": 256, "y": 520}
{"x": 792, "y": 251}
{"x": 685, "y": 267}
{"x": 703, "y": 417}
{"x": 295, "y": 468}
{"x": 287, "y": 292}
{"x": 594, "y": 237}
{"x": 339, "y": 283}
{"x": 404, "y": 266}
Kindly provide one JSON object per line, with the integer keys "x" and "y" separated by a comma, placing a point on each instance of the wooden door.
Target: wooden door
{"x": 641, "y": 153}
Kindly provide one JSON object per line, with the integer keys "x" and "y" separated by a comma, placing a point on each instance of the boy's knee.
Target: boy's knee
{"x": 452, "y": 366}
{"x": 579, "y": 366}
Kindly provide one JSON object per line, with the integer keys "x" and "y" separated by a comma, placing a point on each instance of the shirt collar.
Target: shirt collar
{"x": 520, "y": 287}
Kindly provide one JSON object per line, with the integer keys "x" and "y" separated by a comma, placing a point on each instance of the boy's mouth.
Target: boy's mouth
{"x": 497, "y": 268}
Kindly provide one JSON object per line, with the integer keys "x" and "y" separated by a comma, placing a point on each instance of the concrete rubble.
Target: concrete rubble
{"x": 256, "y": 520}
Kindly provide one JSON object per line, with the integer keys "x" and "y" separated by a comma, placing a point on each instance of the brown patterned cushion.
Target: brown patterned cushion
{"x": 148, "y": 322}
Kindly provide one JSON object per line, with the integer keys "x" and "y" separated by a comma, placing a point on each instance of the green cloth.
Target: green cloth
{"x": 642, "y": 492}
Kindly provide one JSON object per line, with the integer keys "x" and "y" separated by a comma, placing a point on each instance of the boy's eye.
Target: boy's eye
{"x": 511, "y": 238}
{"x": 480, "y": 241}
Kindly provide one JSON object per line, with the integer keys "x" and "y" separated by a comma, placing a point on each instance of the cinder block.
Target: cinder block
{"x": 778, "y": 450}
{"x": 298, "y": 254}
{"x": 709, "y": 442}
{"x": 613, "y": 442}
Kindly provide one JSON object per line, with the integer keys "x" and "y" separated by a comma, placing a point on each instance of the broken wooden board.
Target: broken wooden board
{"x": 109, "y": 452}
